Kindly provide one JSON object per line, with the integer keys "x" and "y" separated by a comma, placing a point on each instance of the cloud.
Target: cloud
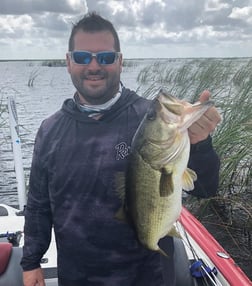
{"x": 17, "y": 7}
{"x": 43, "y": 26}
{"x": 244, "y": 14}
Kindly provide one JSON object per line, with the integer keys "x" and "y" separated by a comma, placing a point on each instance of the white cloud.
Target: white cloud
{"x": 159, "y": 27}
{"x": 79, "y": 6}
{"x": 12, "y": 24}
{"x": 116, "y": 6}
{"x": 215, "y": 5}
{"x": 244, "y": 14}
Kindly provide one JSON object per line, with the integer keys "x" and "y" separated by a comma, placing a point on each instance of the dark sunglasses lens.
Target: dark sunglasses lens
{"x": 107, "y": 58}
{"x": 82, "y": 58}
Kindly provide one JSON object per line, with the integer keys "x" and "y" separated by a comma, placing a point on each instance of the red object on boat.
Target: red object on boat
{"x": 5, "y": 253}
{"x": 225, "y": 265}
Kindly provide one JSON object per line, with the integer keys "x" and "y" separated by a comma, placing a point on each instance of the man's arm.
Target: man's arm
{"x": 38, "y": 219}
{"x": 206, "y": 163}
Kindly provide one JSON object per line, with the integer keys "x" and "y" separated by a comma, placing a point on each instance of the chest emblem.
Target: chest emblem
{"x": 122, "y": 150}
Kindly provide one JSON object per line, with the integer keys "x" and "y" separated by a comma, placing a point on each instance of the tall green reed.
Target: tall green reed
{"x": 230, "y": 83}
{"x": 3, "y": 110}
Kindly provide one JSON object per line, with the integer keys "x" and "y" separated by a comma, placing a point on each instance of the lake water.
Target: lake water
{"x": 50, "y": 87}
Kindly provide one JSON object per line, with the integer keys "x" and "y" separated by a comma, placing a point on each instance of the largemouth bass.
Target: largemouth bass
{"x": 158, "y": 167}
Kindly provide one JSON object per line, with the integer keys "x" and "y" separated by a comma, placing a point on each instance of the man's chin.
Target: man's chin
{"x": 94, "y": 97}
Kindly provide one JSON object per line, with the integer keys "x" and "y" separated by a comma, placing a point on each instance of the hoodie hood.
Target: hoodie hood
{"x": 128, "y": 97}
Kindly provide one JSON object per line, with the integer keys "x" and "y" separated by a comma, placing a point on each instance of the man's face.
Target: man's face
{"x": 95, "y": 83}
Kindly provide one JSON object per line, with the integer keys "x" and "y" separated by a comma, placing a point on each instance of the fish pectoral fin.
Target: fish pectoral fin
{"x": 120, "y": 179}
{"x": 174, "y": 233}
{"x": 166, "y": 186}
{"x": 188, "y": 178}
{"x": 121, "y": 215}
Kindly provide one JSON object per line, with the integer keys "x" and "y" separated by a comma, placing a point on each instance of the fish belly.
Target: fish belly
{"x": 153, "y": 216}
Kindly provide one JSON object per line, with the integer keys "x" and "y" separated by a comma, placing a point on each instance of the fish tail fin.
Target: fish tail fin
{"x": 174, "y": 233}
{"x": 162, "y": 252}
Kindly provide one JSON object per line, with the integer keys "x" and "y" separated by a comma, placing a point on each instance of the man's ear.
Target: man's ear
{"x": 121, "y": 62}
{"x": 68, "y": 62}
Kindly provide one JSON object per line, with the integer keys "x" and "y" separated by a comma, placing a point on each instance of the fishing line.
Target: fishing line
{"x": 213, "y": 281}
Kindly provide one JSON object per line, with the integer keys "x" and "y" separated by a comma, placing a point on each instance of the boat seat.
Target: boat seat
{"x": 176, "y": 264}
{"x": 182, "y": 265}
{"x": 10, "y": 269}
{"x": 3, "y": 211}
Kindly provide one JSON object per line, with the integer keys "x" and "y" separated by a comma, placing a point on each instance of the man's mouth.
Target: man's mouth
{"x": 94, "y": 78}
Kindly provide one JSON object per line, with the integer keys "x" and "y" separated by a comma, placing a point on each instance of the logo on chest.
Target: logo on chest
{"x": 122, "y": 150}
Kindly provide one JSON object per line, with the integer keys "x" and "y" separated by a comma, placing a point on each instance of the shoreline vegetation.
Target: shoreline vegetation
{"x": 231, "y": 90}
{"x": 229, "y": 215}
{"x": 62, "y": 62}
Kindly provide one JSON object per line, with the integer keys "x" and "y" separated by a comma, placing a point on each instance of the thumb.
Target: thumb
{"x": 205, "y": 95}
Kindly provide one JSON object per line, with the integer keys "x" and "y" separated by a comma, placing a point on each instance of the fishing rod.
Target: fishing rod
{"x": 199, "y": 269}
{"x": 17, "y": 153}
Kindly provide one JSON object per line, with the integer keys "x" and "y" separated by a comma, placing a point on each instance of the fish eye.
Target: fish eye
{"x": 152, "y": 114}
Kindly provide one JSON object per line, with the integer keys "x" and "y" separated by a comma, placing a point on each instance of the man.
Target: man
{"x": 77, "y": 153}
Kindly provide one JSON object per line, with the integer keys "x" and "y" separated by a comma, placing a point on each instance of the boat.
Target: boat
{"x": 199, "y": 259}
{"x": 12, "y": 221}
{"x": 209, "y": 262}
{"x": 11, "y": 243}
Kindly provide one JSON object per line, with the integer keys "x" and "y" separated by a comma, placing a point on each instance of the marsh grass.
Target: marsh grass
{"x": 231, "y": 88}
{"x": 33, "y": 75}
{"x": 3, "y": 110}
{"x": 54, "y": 63}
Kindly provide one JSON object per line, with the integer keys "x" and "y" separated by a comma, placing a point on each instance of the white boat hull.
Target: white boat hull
{"x": 187, "y": 249}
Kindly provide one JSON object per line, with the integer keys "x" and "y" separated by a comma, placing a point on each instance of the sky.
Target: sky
{"x": 39, "y": 29}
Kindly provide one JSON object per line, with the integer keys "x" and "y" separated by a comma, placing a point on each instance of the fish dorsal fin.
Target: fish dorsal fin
{"x": 188, "y": 178}
{"x": 166, "y": 186}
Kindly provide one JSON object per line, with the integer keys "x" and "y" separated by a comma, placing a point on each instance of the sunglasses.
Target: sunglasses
{"x": 85, "y": 57}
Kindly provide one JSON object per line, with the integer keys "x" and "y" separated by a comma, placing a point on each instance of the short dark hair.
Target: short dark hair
{"x": 91, "y": 23}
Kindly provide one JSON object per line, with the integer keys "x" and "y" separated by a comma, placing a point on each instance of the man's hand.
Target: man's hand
{"x": 33, "y": 278}
{"x": 200, "y": 129}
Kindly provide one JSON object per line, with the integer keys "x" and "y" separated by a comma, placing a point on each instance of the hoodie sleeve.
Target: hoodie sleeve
{"x": 38, "y": 221}
{"x": 205, "y": 162}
